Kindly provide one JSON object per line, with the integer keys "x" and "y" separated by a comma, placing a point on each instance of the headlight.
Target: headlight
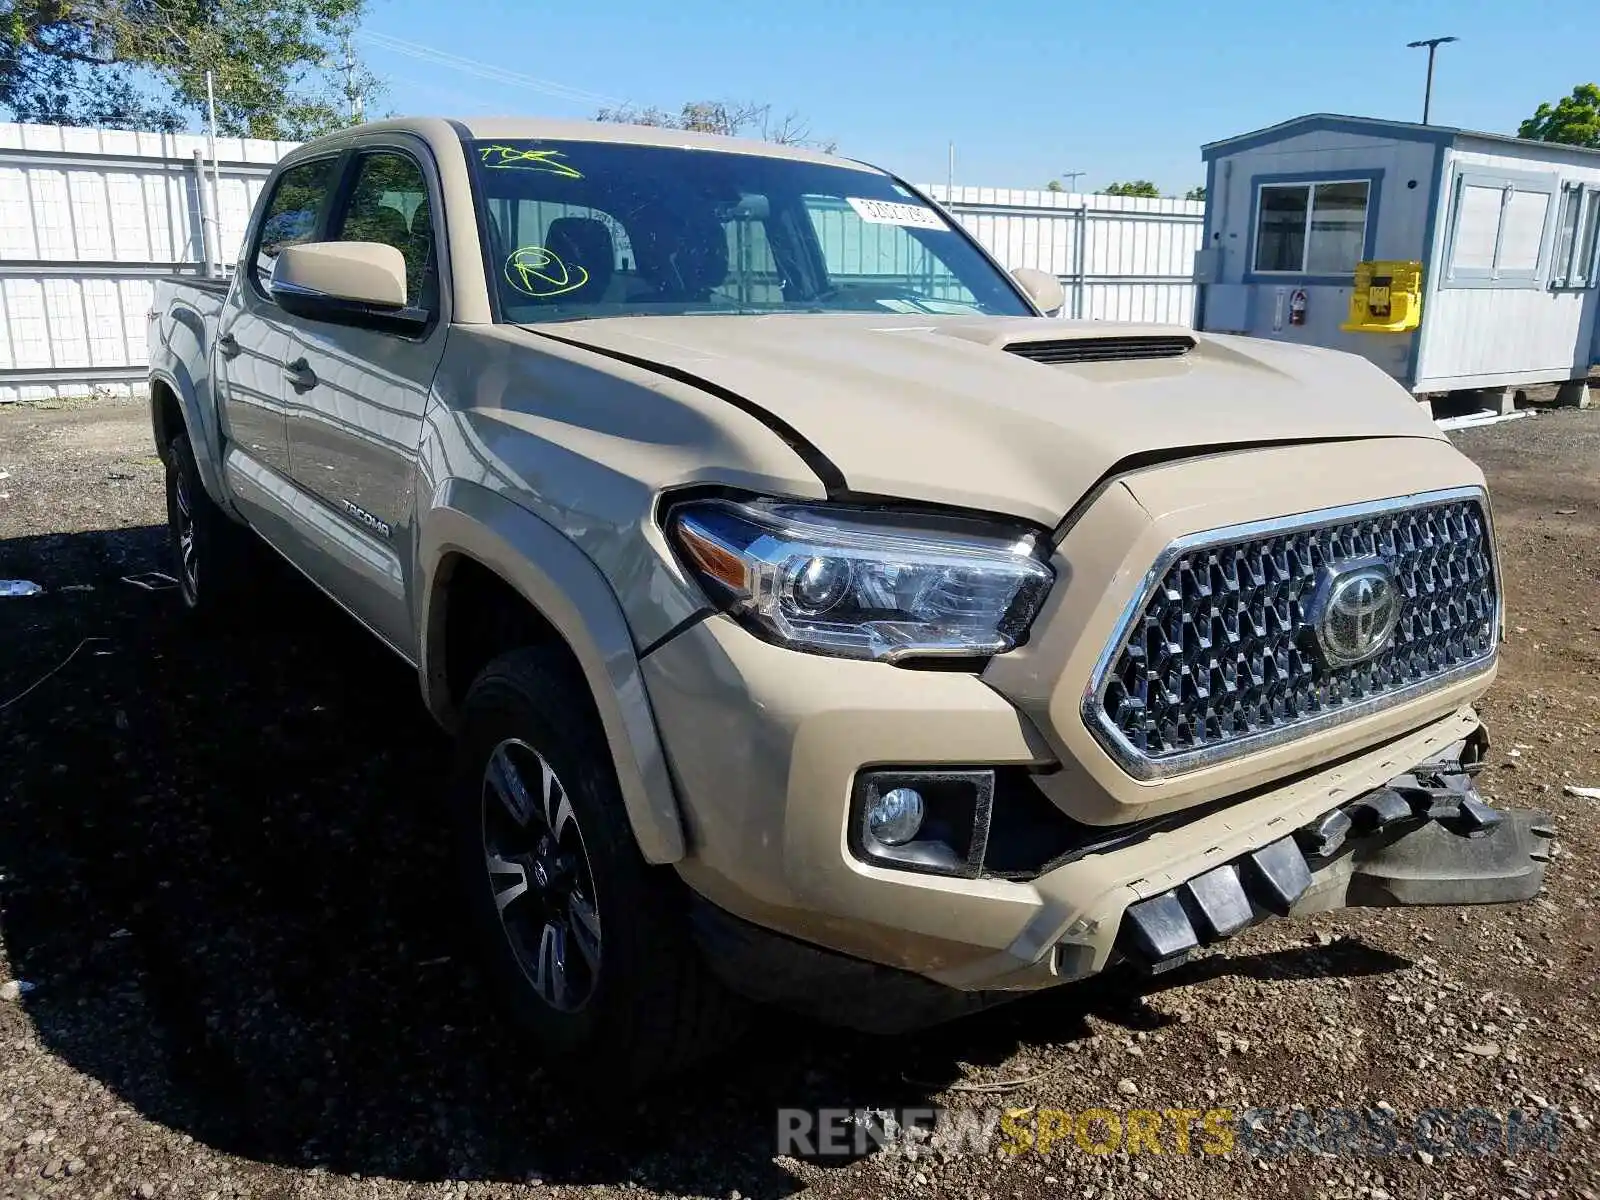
{"x": 859, "y": 583}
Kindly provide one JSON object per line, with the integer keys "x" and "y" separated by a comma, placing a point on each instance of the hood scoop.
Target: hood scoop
{"x": 1066, "y": 351}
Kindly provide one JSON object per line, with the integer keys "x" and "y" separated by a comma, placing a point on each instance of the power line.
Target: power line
{"x": 484, "y": 70}
{"x": 466, "y": 103}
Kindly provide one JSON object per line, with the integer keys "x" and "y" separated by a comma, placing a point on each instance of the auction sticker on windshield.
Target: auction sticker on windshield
{"x": 886, "y": 212}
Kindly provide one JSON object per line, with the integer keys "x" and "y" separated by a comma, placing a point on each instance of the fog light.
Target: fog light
{"x": 932, "y": 820}
{"x": 895, "y": 817}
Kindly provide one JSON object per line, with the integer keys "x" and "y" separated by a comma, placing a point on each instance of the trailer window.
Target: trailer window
{"x": 1477, "y": 228}
{"x": 1586, "y": 260}
{"x": 1577, "y": 229}
{"x": 1498, "y": 229}
{"x": 1312, "y": 228}
{"x": 1522, "y": 231}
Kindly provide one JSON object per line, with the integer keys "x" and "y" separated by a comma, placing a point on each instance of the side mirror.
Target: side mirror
{"x": 346, "y": 283}
{"x": 1043, "y": 288}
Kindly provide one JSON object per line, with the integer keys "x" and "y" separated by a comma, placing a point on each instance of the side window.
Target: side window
{"x": 291, "y": 216}
{"x": 389, "y": 204}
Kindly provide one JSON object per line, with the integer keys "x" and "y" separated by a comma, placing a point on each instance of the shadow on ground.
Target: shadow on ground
{"x": 221, "y": 864}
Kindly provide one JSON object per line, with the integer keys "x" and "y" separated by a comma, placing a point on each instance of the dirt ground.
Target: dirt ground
{"x": 228, "y": 968}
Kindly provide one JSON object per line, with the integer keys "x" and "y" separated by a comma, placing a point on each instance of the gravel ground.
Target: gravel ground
{"x": 225, "y": 969}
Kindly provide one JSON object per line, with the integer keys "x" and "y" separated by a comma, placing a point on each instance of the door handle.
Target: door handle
{"x": 300, "y": 375}
{"x": 229, "y": 346}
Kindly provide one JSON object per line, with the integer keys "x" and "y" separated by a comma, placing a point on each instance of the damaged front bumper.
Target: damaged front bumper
{"x": 1354, "y": 835}
{"x": 1427, "y": 838}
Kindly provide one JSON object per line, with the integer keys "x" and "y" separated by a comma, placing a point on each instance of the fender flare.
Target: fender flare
{"x": 565, "y": 587}
{"x": 199, "y": 423}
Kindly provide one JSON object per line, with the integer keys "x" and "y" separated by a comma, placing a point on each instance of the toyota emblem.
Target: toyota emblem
{"x": 1354, "y": 611}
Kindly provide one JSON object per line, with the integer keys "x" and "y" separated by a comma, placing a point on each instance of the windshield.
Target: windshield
{"x": 577, "y": 229}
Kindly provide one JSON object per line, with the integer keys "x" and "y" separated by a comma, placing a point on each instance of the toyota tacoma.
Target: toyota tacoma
{"x": 821, "y": 620}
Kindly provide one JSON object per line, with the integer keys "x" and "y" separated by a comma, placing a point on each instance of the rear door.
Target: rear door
{"x": 356, "y": 397}
{"x": 253, "y": 334}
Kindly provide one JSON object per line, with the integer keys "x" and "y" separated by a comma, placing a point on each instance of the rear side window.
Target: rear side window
{"x": 291, "y": 216}
{"x": 389, "y": 204}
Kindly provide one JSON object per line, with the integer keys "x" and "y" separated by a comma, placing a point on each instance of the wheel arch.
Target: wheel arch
{"x": 175, "y": 407}
{"x": 472, "y": 532}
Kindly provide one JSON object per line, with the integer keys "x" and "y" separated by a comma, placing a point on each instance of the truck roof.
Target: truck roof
{"x": 546, "y": 128}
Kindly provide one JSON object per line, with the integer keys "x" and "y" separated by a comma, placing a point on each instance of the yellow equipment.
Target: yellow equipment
{"x": 1387, "y": 298}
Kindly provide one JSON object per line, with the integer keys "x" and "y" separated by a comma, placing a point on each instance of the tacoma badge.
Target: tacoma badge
{"x": 366, "y": 518}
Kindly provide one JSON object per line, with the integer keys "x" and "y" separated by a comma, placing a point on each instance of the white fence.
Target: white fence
{"x": 1120, "y": 258}
{"x": 89, "y": 218}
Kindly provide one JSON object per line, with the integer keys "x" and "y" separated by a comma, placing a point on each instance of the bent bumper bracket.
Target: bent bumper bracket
{"x": 1408, "y": 843}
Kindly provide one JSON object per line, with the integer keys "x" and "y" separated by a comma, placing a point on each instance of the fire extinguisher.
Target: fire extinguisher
{"x": 1297, "y": 307}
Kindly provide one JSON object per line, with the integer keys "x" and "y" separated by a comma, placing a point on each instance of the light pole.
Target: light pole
{"x": 1433, "y": 45}
{"x": 1072, "y": 178}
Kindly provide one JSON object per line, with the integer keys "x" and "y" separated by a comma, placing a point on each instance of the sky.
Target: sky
{"x": 1026, "y": 89}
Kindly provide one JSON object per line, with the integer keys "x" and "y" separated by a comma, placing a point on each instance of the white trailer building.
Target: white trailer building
{"x": 1485, "y": 249}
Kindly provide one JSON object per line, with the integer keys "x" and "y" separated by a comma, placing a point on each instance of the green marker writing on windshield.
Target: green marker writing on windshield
{"x": 513, "y": 158}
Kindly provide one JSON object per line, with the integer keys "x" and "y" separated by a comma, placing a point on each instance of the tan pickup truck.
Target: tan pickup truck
{"x": 820, "y": 621}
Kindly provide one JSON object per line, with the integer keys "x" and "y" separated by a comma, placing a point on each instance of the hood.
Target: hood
{"x": 936, "y": 409}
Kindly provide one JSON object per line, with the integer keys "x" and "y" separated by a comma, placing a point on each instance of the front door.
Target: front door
{"x": 356, "y": 398}
{"x": 253, "y": 336}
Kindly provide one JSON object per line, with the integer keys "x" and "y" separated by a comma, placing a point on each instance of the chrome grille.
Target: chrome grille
{"x": 1215, "y": 657}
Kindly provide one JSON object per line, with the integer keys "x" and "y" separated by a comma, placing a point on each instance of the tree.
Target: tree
{"x": 1573, "y": 120}
{"x": 1054, "y": 186}
{"x": 727, "y": 118}
{"x": 1139, "y": 187}
{"x": 141, "y": 64}
{"x": 1196, "y": 193}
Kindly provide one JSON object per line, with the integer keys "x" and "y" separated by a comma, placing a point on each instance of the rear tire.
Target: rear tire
{"x": 586, "y": 944}
{"x": 215, "y": 559}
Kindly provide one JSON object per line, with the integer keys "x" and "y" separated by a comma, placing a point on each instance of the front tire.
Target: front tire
{"x": 586, "y": 944}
